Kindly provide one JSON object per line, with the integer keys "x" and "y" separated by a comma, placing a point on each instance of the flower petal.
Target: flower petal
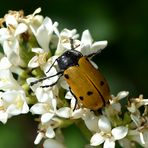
{"x": 42, "y": 96}
{"x": 91, "y": 121}
{"x": 50, "y": 132}
{"x": 98, "y": 46}
{"x": 104, "y": 124}
{"x": 37, "y": 50}
{"x": 3, "y": 117}
{"x": 77, "y": 113}
{"x": 4, "y": 34}
{"x": 39, "y": 138}
{"x": 46, "y": 117}
{"x": 109, "y": 143}
{"x": 64, "y": 112}
{"x": 86, "y": 38}
{"x": 122, "y": 94}
{"x": 11, "y": 20}
{"x": 25, "y": 108}
{"x": 68, "y": 95}
{"x": 42, "y": 37}
{"x": 21, "y": 28}
{"x": 33, "y": 63}
{"x": 38, "y": 108}
{"x": 5, "y": 63}
{"x": 51, "y": 143}
{"x": 96, "y": 139}
{"x": 119, "y": 132}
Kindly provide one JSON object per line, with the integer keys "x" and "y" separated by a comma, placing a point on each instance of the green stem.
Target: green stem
{"x": 81, "y": 125}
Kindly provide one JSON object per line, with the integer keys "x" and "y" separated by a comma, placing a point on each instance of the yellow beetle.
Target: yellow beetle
{"x": 86, "y": 83}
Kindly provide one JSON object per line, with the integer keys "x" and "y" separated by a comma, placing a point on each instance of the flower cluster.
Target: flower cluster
{"x": 30, "y": 46}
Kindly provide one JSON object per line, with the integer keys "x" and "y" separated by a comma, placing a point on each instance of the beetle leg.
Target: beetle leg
{"x": 52, "y": 83}
{"x": 75, "y": 98}
{"x": 42, "y": 79}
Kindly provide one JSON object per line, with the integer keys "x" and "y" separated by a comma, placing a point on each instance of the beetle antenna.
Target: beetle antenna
{"x": 93, "y": 54}
{"x": 72, "y": 42}
{"x": 42, "y": 79}
{"x": 51, "y": 66}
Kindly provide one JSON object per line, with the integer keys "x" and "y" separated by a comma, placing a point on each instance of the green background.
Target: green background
{"x": 124, "y": 24}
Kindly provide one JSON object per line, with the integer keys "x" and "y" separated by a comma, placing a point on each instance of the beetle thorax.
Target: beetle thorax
{"x": 68, "y": 59}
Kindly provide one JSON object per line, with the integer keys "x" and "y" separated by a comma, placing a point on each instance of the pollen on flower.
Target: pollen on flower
{"x": 1, "y": 108}
{"x": 19, "y": 102}
{"x": 42, "y": 59}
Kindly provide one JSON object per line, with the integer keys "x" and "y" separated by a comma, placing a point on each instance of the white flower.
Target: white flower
{"x": 48, "y": 110}
{"x": 108, "y": 135}
{"x": 48, "y": 93}
{"x": 7, "y": 81}
{"x": 46, "y": 130}
{"x": 64, "y": 42}
{"x": 115, "y": 100}
{"x": 44, "y": 32}
{"x": 11, "y": 50}
{"x": 39, "y": 59}
{"x": 139, "y": 101}
{"x": 88, "y": 47}
{"x": 12, "y": 103}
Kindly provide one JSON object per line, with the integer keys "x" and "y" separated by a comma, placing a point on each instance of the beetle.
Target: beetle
{"x": 86, "y": 83}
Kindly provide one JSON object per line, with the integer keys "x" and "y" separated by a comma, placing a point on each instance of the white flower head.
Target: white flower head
{"x": 48, "y": 110}
{"x": 11, "y": 50}
{"x": 139, "y": 101}
{"x": 39, "y": 59}
{"x": 114, "y": 101}
{"x": 7, "y": 81}
{"x": 65, "y": 38}
{"x": 47, "y": 130}
{"x": 88, "y": 47}
{"x": 107, "y": 135}
{"x": 13, "y": 103}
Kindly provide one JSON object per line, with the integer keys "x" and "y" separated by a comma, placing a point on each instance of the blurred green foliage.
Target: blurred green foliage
{"x": 123, "y": 23}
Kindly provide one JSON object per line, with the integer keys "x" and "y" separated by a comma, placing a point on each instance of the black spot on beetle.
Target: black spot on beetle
{"x": 66, "y": 76}
{"x": 101, "y": 83}
{"x": 81, "y": 98}
{"x": 89, "y": 93}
